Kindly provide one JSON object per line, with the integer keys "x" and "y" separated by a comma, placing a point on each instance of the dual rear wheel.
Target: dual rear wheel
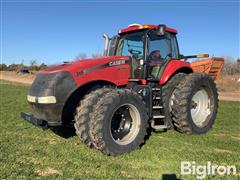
{"x": 194, "y": 104}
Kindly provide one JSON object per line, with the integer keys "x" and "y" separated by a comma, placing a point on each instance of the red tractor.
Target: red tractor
{"x": 114, "y": 102}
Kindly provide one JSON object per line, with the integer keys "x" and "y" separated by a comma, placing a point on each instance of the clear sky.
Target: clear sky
{"x": 57, "y": 31}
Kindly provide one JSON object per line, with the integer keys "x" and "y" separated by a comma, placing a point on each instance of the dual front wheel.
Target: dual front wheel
{"x": 116, "y": 121}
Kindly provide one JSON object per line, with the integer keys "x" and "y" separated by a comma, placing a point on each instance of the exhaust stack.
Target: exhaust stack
{"x": 106, "y": 44}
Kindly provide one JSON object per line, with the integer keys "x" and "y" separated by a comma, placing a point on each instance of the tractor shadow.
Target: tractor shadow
{"x": 68, "y": 132}
{"x": 64, "y": 132}
{"x": 170, "y": 177}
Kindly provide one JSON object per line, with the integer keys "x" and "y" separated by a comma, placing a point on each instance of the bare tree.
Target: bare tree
{"x": 81, "y": 56}
{"x": 22, "y": 62}
{"x": 33, "y": 65}
{"x": 3, "y": 67}
{"x": 33, "y": 62}
{"x": 231, "y": 66}
{"x": 97, "y": 55}
{"x": 42, "y": 66}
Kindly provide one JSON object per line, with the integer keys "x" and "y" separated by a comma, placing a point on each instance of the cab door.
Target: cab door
{"x": 132, "y": 45}
{"x": 161, "y": 49}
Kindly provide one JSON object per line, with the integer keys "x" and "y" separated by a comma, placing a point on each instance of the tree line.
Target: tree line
{"x": 231, "y": 66}
{"x": 35, "y": 67}
{"x": 17, "y": 67}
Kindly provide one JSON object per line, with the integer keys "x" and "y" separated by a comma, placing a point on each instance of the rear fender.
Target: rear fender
{"x": 174, "y": 67}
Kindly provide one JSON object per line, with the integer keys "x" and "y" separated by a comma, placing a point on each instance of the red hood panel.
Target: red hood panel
{"x": 83, "y": 64}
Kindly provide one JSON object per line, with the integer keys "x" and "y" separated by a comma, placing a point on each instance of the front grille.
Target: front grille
{"x": 43, "y": 85}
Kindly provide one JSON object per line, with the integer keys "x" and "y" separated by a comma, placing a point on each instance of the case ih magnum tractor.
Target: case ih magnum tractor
{"x": 142, "y": 83}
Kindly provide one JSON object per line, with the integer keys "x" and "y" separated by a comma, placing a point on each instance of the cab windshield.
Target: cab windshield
{"x": 131, "y": 44}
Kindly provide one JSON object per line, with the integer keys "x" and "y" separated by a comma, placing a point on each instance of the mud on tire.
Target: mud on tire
{"x": 82, "y": 114}
{"x": 195, "y": 104}
{"x": 112, "y": 134}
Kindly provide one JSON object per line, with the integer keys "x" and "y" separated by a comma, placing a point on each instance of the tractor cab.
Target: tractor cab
{"x": 149, "y": 47}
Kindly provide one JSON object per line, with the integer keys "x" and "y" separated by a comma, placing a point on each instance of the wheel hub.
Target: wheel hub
{"x": 125, "y": 124}
{"x": 194, "y": 105}
{"x": 201, "y": 107}
{"x": 122, "y": 124}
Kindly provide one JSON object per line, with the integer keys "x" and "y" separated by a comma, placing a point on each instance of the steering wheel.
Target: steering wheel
{"x": 135, "y": 52}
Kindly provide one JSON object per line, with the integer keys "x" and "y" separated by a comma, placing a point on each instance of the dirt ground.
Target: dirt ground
{"x": 14, "y": 77}
{"x": 228, "y": 85}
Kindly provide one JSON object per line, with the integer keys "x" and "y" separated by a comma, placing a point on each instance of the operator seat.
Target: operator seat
{"x": 135, "y": 68}
{"x": 156, "y": 61}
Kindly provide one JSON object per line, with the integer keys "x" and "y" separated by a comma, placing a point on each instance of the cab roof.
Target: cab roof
{"x": 135, "y": 27}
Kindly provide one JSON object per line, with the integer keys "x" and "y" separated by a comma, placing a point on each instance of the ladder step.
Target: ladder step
{"x": 158, "y": 116}
{"x": 157, "y": 107}
{"x": 156, "y": 89}
{"x": 160, "y": 127}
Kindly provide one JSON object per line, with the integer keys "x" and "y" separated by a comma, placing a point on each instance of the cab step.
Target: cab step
{"x": 157, "y": 107}
{"x": 158, "y": 116}
{"x": 160, "y": 127}
{"x": 156, "y": 89}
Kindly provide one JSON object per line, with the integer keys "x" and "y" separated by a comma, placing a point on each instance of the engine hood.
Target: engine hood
{"x": 80, "y": 65}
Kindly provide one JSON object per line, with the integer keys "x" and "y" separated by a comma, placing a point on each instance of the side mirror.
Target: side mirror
{"x": 161, "y": 29}
{"x": 181, "y": 56}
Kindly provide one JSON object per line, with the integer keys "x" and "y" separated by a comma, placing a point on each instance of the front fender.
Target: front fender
{"x": 57, "y": 85}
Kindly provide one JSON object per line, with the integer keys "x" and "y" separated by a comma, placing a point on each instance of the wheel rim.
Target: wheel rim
{"x": 202, "y": 106}
{"x": 125, "y": 124}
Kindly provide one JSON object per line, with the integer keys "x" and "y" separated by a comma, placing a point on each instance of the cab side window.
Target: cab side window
{"x": 175, "y": 52}
{"x": 158, "y": 45}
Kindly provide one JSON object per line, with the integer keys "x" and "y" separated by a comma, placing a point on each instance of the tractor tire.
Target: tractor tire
{"x": 82, "y": 114}
{"x": 195, "y": 104}
{"x": 119, "y": 122}
{"x": 167, "y": 95}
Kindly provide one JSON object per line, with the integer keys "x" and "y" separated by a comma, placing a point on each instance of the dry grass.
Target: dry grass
{"x": 222, "y": 150}
{"x": 47, "y": 171}
{"x": 228, "y": 83}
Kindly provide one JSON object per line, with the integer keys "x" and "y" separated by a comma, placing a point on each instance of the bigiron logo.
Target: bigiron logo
{"x": 209, "y": 169}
